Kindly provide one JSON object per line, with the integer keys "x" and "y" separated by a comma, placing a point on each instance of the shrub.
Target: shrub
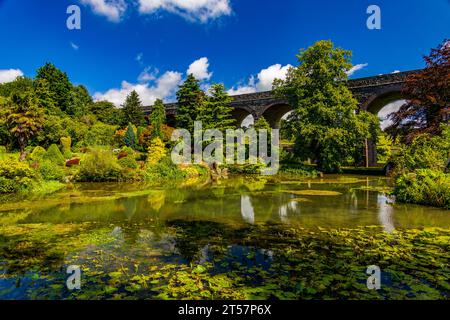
{"x": 15, "y": 175}
{"x": 100, "y": 134}
{"x": 66, "y": 144}
{"x": 2, "y": 149}
{"x": 37, "y": 154}
{"x": 425, "y": 152}
{"x": 8, "y": 185}
{"x": 165, "y": 169}
{"x": 128, "y": 162}
{"x": 100, "y": 165}
{"x": 51, "y": 171}
{"x": 424, "y": 186}
{"x": 54, "y": 155}
{"x": 156, "y": 151}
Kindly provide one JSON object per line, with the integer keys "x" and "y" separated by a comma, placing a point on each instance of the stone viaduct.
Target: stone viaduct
{"x": 372, "y": 93}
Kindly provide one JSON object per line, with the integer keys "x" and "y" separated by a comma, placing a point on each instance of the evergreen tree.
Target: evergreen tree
{"x": 327, "y": 126}
{"x": 130, "y": 137}
{"x": 216, "y": 111}
{"x": 58, "y": 83}
{"x": 157, "y": 119}
{"x": 132, "y": 109}
{"x": 190, "y": 100}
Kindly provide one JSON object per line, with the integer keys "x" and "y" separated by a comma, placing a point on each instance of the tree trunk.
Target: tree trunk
{"x": 21, "y": 141}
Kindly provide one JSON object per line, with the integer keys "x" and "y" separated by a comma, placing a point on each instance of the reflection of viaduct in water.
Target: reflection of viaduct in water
{"x": 372, "y": 93}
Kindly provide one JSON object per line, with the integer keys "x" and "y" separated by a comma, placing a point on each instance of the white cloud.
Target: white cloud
{"x": 384, "y": 113}
{"x": 8, "y": 75}
{"x": 112, "y": 9}
{"x": 192, "y": 10}
{"x": 266, "y": 76}
{"x": 162, "y": 87}
{"x": 241, "y": 90}
{"x": 396, "y": 71}
{"x": 356, "y": 68}
{"x": 199, "y": 69}
{"x": 264, "y": 81}
{"x": 148, "y": 74}
{"x": 74, "y": 46}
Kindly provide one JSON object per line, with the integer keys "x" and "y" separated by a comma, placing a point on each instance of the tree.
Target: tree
{"x": 429, "y": 98}
{"x": 45, "y": 96}
{"x": 19, "y": 85}
{"x": 215, "y": 112}
{"x": 327, "y": 127}
{"x": 25, "y": 118}
{"x": 157, "y": 119}
{"x": 59, "y": 85}
{"x": 132, "y": 109}
{"x": 190, "y": 99}
{"x": 130, "y": 137}
{"x": 106, "y": 112}
{"x": 79, "y": 101}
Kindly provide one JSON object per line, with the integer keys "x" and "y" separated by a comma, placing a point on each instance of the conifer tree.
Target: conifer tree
{"x": 132, "y": 109}
{"x": 157, "y": 118}
{"x": 216, "y": 111}
{"x": 190, "y": 99}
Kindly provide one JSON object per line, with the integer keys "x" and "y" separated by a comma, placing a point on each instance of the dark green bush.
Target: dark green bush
{"x": 424, "y": 186}
{"x": 100, "y": 165}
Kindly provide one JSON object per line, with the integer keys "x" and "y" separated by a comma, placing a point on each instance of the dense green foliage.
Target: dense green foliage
{"x": 59, "y": 86}
{"x": 424, "y": 152}
{"x": 215, "y": 112}
{"x": 424, "y": 186}
{"x": 54, "y": 155}
{"x": 100, "y": 165}
{"x": 15, "y": 175}
{"x": 132, "y": 110}
{"x": 130, "y": 138}
{"x": 24, "y": 118}
{"x": 190, "y": 100}
{"x": 326, "y": 127}
{"x": 157, "y": 119}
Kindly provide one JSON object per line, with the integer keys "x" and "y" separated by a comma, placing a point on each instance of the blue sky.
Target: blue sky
{"x": 149, "y": 45}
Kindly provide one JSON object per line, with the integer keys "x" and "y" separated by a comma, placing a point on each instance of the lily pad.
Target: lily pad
{"x": 313, "y": 192}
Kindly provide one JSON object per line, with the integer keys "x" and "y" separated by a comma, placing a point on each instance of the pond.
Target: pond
{"x": 241, "y": 238}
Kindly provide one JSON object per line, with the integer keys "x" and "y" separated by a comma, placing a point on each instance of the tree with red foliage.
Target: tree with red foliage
{"x": 428, "y": 92}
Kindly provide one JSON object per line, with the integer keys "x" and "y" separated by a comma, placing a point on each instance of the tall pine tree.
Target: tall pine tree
{"x": 215, "y": 113}
{"x": 157, "y": 118}
{"x": 132, "y": 109}
{"x": 190, "y": 99}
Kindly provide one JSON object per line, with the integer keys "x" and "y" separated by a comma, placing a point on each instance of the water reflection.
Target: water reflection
{"x": 246, "y": 201}
{"x": 247, "y": 211}
{"x": 385, "y": 213}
